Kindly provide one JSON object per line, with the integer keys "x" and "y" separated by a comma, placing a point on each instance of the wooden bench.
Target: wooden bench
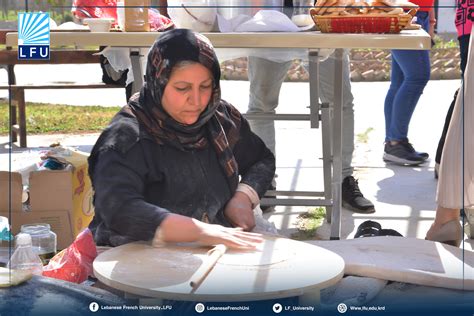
{"x": 9, "y": 58}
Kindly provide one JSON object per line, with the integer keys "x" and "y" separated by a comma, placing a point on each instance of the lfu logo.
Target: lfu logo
{"x": 33, "y": 35}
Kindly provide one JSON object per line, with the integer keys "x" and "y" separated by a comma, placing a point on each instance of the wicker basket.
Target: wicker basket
{"x": 363, "y": 23}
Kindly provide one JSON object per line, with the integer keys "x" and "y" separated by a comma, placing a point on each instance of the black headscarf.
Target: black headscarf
{"x": 218, "y": 124}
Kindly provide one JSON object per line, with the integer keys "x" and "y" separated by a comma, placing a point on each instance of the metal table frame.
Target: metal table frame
{"x": 330, "y": 116}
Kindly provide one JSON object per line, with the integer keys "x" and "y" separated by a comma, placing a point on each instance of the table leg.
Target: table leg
{"x": 313, "y": 58}
{"x": 135, "y": 59}
{"x": 337, "y": 147}
{"x": 326, "y": 136}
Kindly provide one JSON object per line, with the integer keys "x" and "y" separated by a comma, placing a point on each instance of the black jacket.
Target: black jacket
{"x": 138, "y": 182}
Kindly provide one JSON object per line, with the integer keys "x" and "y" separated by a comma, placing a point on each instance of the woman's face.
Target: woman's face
{"x": 187, "y": 93}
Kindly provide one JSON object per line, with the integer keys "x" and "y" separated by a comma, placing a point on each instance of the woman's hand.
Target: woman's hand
{"x": 177, "y": 228}
{"x": 231, "y": 237}
{"x": 239, "y": 211}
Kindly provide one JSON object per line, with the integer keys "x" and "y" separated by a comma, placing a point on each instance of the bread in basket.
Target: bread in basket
{"x": 345, "y": 16}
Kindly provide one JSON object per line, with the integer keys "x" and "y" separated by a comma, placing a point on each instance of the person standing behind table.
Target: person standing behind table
{"x": 178, "y": 163}
{"x": 456, "y": 175}
{"x": 266, "y": 78}
{"x": 409, "y": 76}
{"x": 464, "y": 21}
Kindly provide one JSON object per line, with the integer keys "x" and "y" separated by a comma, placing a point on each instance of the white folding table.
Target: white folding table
{"x": 330, "y": 116}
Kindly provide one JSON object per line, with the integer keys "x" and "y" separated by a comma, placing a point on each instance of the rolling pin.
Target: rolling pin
{"x": 212, "y": 256}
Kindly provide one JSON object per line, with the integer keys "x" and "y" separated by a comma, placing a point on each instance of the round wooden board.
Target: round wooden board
{"x": 407, "y": 260}
{"x": 281, "y": 268}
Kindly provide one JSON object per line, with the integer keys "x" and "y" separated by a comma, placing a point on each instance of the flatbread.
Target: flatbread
{"x": 270, "y": 252}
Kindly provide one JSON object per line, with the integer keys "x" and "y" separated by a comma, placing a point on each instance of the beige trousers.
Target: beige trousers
{"x": 456, "y": 177}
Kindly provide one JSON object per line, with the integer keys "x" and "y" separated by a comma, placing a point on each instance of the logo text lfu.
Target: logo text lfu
{"x": 33, "y": 52}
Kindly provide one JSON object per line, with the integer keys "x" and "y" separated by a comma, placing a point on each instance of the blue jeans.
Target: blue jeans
{"x": 409, "y": 76}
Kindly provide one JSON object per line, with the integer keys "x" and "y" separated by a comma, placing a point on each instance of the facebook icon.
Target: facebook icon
{"x": 33, "y": 36}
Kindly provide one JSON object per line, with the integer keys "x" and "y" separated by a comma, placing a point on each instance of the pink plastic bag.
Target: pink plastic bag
{"x": 74, "y": 264}
{"x": 95, "y": 9}
{"x": 108, "y": 9}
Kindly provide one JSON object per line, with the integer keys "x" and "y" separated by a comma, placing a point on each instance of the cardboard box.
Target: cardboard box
{"x": 61, "y": 198}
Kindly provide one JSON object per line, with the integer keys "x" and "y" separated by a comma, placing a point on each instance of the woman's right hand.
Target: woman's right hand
{"x": 231, "y": 237}
{"x": 177, "y": 228}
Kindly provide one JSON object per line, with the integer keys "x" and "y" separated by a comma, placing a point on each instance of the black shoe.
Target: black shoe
{"x": 402, "y": 153}
{"x": 374, "y": 229}
{"x": 410, "y": 147}
{"x": 353, "y": 199}
{"x": 368, "y": 229}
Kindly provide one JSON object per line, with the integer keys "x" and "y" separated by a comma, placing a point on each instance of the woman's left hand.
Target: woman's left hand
{"x": 239, "y": 211}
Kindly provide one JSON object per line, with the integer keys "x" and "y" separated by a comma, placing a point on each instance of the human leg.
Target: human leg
{"x": 266, "y": 78}
{"x": 410, "y": 74}
{"x": 463, "y": 48}
{"x": 396, "y": 80}
{"x": 446, "y": 227}
{"x": 352, "y": 198}
{"x": 439, "y": 150}
{"x": 415, "y": 66}
{"x": 455, "y": 185}
{"x": 326, "y": 91}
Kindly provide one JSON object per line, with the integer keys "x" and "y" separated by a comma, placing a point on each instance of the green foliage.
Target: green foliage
{"x": 364, "y": 137}
{"x": 59, "y": 10}
{"x": 52, "y": 2}
{"x": 9, "y": 15}
{"x": 52, "y": 118}
{"x": 441, "y": 43}
{"x": 307, "y": 223}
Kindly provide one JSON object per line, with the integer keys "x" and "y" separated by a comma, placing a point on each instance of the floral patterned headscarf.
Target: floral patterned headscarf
{"x": 218, "y": 124}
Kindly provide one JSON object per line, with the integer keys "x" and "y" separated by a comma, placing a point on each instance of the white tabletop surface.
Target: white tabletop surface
{"x": 413, "y": 39}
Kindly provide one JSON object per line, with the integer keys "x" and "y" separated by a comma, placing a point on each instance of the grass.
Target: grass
{"x": 54, "y": 14}
{"x": 364, "y": 137}
{"x": 307, "y": 223}
{"x": 440, "y": 43}
{"x": 53, "y": 118}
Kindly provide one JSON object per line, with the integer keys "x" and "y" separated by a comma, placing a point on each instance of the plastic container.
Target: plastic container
{"x": 301, "y": 16}
{"x": 44, "y": 241}
{"x": 231, "y": 8}
{"x": 24, "y": 257}
{"x": 132, "y": 15}
{"x": 98, "y": 24}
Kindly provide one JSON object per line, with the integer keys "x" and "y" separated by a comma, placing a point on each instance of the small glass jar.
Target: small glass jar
{"x": 43, "y": 240}
{"x": 301, "y": 16}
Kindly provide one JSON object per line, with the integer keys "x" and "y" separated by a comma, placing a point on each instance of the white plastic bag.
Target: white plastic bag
{"x": 197, "y": 15}
{"x": 262, "y": 225}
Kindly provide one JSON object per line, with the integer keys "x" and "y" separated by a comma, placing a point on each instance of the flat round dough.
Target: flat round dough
{"x": 269, "y": 252}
